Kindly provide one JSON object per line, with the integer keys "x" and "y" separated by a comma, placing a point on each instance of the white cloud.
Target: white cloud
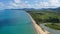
{"x": 22, "y": 4}
{"x": 41, "y": 5}
{"x": 2, "y": 5}
{"x": 48, "y": 4}
{"x": 35, "y": 4}
{"x": 17, "y": 1}
{"x": 55, "y": 3}
{"x": 26, "y": 2}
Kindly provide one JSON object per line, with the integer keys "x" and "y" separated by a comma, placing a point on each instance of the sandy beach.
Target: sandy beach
{"x": 38, "y": 28}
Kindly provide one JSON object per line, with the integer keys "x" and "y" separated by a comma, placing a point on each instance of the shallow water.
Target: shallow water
{"x": 15, "y": 22}
{"x": 52, "y": 31}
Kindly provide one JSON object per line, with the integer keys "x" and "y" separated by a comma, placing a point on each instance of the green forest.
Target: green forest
{"x": 46, "y": 17}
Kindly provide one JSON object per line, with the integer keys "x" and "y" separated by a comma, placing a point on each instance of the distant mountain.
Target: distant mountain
{"x": 22, "y": 9}
{"x": 43, "y": 9}
{"x": 54, "y": 9}
{"x": 28, "y": 9}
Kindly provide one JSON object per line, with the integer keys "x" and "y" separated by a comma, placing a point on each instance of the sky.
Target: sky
{"x": 37, "y": 4}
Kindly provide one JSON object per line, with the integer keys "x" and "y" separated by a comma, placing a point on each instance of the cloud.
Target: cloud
{"x": 2, "y": 5}
{"x": 17, "y": 1}
{"x": 31, "y": 4}
{"x": 35, "y": 4}
{"x": 55, "y": 3}
{"x": 26, "y": 4}
{"x": 20, "y": 4}
{"x": 42, "y": 5}
{"x": 47, "y": 4}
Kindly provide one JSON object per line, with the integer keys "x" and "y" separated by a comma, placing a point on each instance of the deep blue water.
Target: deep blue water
{"x": 15, "y": 22}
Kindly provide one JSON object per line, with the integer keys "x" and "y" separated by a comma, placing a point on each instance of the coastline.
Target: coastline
{"x": 37, "y": 27}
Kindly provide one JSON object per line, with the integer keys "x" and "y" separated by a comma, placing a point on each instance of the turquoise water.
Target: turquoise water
{"x": 15, "y": 22}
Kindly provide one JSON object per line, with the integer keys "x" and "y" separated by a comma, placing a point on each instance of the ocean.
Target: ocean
{"x": 16, "y": 22}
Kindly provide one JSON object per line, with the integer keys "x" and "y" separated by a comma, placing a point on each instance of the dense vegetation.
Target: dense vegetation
{"x": 46, "y": 17}
{"x": 54, "y": 26}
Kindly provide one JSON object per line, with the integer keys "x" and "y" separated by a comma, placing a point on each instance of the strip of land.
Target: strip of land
{"x": 38, "y": 28}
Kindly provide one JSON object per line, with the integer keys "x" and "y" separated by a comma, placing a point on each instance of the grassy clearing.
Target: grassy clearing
{"x": 53, "y": 26}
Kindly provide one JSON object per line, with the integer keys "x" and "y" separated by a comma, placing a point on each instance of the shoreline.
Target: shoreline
{"x": 37, "y": 27}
